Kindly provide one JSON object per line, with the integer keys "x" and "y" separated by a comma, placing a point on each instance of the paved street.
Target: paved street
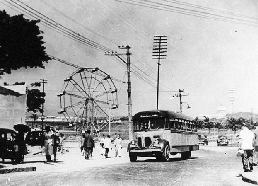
{"x": 209, "y": 166}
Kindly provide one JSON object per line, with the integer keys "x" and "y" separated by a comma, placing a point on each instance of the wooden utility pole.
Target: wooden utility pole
{"x": 159, "y": 52}
{"x": 180, "y": 95}
{"x": 129, "y": 89}
{"x": 43, "y": 81}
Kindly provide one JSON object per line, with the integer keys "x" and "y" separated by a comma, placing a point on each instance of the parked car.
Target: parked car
{"x": 35, "y": 138}
{"x": 222, "y": 141}
{"x": 8, "y": 145}
{"x": 203, "y": 139}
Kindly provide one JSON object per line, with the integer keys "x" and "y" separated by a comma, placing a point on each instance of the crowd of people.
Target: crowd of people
{"x": 248, "y": 146}
{"x": 106, "y": 142}
{"x": 53, "y": 142}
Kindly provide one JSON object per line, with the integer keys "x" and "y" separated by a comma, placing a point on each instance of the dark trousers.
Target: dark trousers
{"x": 106, "y": 152}
{"x": 88, "y": 152}
{"x": 247, "y": 160}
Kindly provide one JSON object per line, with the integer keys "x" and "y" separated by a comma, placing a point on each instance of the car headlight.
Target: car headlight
{"x": 133, "y": 143}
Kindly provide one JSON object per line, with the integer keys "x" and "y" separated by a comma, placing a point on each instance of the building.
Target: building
{"x": 12, "y": 105}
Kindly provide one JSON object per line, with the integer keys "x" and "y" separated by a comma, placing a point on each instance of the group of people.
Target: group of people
{"x": 248, "y": 144}
{"x": 106, "y": 142}
{"x": 52, "y": 141}
{"x": 87, "y": 144}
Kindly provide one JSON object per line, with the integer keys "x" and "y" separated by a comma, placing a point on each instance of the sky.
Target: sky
{"x": 212, "y": 59}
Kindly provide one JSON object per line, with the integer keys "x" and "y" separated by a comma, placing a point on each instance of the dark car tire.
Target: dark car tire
{"x": 165, "y": 154}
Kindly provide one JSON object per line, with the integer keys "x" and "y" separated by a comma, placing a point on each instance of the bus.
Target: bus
{"x": 161, "y": 133}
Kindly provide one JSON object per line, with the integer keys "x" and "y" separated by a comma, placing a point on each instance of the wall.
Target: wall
{"x": 12, "y": 105}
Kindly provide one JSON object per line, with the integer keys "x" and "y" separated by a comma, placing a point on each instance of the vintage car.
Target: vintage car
{"x": 8, "y": 144}
{"x": 35, "y": 138}
{"x": 202, "y": 139}
{"x": 222, "y": 140}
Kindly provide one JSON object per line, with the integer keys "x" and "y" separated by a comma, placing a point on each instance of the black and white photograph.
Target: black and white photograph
{"x": 128, "y": 92}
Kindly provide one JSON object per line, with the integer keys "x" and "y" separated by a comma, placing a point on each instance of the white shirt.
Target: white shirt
{"x": 247, "y": 137}
{"x": 107, "y": 142}
{"x": 118, "y": 142}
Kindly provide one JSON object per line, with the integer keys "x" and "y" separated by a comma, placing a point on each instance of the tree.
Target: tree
{"x": 235, "y": 124}
{"x": 207, "y": 123}
{"x": 21, "y": 43}
{"x": 35, "y": 99}
{"x": 199, "y": 123}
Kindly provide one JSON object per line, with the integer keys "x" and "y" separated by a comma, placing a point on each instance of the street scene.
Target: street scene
{"x": 211, "y": 165}
{"x": 128, "y": 92}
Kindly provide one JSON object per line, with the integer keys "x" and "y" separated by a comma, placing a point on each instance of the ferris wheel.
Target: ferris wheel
{"x": 87, "y": 96}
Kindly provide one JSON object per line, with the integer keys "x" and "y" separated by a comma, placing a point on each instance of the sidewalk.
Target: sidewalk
{"x": 72, "y": 160}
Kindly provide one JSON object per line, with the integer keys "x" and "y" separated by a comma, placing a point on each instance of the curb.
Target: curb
{"x": 27, "y": 169}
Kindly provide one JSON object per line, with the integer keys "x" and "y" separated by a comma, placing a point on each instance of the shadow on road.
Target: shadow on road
{"x": 170, "y": 159}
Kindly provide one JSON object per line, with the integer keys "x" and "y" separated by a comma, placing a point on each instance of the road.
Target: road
{"x": 210, "y": 165}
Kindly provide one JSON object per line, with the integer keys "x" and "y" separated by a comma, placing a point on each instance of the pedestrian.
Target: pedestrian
{"x": 48, "y": 143}
{"x": 255, "y": 160}
{"x": 82, "y": 139}
{"x": 107, "y": 144}
{"x": 61, "y": 144}
{"x": 246, "y": 143}
{"x": 102, "y": 151}
{"x": 88, "y": 145}
{"x": 55, "y": 142}
{"x": 118, "y": 146}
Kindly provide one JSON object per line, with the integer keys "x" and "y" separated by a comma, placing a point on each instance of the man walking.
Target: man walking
{"x": 246, "y": 143}
{"x": 88, "y": 145}
{"x": 118, "y": 146}
{"x": 107, "y": 143}
{"x": 255, "y": 161}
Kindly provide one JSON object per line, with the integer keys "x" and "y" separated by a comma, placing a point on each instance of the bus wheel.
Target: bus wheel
{"x": 165, "y": 154}
{"x": 132, "y": 157}
{"x": 186, "y": 155}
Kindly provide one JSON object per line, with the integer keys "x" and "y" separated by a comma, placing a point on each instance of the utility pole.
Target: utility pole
{"x": 43, "y": 81}
{"x": 232, "y": 98}
{"x": 159, "y": 52}
{"x": 180, "y": 95}
{"x": 129, "y": 89}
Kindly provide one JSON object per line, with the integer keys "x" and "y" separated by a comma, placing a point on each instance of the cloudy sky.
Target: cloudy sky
{"x": 212, "y": 50}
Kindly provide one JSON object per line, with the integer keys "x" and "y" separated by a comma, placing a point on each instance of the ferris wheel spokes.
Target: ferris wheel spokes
{"x": 88, "y": 94}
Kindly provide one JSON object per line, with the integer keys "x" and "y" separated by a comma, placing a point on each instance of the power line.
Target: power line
{"x": 63, "y": 14}
{"x": 192, "y": 12}
{"x": 46, "y": 21}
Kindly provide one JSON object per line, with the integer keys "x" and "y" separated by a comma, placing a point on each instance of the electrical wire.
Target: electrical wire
{"x": 22, "y": 7}
{"x": 191, "y": 12}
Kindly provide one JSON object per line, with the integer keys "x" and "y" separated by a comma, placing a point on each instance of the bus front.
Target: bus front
{"x": 150, "y": 136}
